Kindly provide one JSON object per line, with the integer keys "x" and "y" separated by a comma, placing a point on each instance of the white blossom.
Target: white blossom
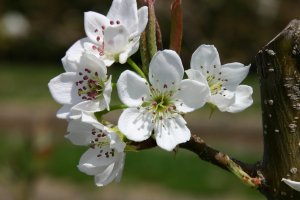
{"x": 113, "y": 38}
{"x": 105, "y": 157}
{"x": 222, "y": 80}
{"x": 159, "y": 106}
{"x": 84, "y": 88}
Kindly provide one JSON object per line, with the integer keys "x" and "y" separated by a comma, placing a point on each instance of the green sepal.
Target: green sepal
{"x": 213, "y": 108}
{"x": 130, "y": 148}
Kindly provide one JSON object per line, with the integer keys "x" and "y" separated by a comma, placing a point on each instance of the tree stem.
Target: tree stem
{"x": 246, "y": 173}
{"x": 278, "y": 65}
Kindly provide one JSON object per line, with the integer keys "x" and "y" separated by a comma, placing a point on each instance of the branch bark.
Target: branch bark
{"x": 278, "y": 65}
{"x": 245, "y": 172}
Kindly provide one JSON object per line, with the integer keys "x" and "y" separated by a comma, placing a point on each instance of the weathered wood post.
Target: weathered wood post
{"x": 278, "y": 65}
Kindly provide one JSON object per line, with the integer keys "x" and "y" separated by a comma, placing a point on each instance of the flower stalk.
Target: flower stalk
{"x": 136, "y": 68}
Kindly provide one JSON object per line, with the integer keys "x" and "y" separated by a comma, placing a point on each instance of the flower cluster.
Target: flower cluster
{"x": 154, "y": 104}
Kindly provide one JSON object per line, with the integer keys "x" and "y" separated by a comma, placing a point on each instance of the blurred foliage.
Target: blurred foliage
{"x": 238, "y": 28}
{"x": 25, "y": 159}
{"x": 181, "y": 171}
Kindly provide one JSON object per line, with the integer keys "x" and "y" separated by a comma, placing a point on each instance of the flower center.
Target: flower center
{"x": 100, "y": 139}
{"x": 215, "y": 82}
{"x": 161, "y": 104}
{"x": 89, "y": 86}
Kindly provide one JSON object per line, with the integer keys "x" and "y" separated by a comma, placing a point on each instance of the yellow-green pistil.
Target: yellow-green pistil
{"x": 160, "y": 104}
{"x": 215, "y": 82}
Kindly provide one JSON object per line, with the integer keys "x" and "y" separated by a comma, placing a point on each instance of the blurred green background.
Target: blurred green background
{"x": 38, "y": 163}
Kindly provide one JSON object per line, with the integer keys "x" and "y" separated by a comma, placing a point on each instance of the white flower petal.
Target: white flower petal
{"x": 90, "y": 160}
{"x": 107, "y": 93}
{"x": 131, "y": 48}
{"x": 206, "y": 58}
{"x": 235, "y": 73}
{"x": 172, "y": 133}
{"x": 63, "y": 89}
{"x": 136, "y": 126}
{"x": 221, "y": 101}
{"x": 116, "y": 39}
{"x": 116, "y": 142}
{"x": 95, "y": 64}
{"x": 293, "y": 184}
{"x": 142, "y": 19}
{"x": 64, "y": 111}
{"x": 108, "y": 61}
{"x": 73, "y": 57}
{"x": 165, "y": 70}
{"x": 93, "y": 49}
{"x": 120, "y": 167}
{"x": 91, "y": 170}
{"x": 93, "y": 23}
{"x": 124, "y": 11}
{"x": 90, "y": 106}
{"x": 191, "y": 96}
{"x": 80, "y": 133}
{"x": 243, "y": 99}
{"x": 112, "y": 172}
{"x": 89, "y": 117}
{"x": 132, "y": 89}
{"x": 106, "y": 176}
{"x": 196, "y": 75}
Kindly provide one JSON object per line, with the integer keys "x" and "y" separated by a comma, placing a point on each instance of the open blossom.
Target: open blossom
{"x": 105, "y": 157}
{"x": 115, "y": 37}
{"x": 158, "y": 107}
{"x": 222, "y": 80}
{"x": 293, "y": 184}
{"x": 84, "y": 88}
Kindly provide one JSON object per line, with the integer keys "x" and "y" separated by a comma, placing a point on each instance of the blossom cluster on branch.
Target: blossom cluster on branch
{"x": 155, "y": 97}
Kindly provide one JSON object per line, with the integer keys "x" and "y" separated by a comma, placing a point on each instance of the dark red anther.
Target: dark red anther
{"x": 111, "y": 22}
{"x": 96, "y": 30}
{"x": 103, "y": 27}
{"x": 165, "y": 86}
{"x": 118, "y": 22}
{"x": 85, "y": 77}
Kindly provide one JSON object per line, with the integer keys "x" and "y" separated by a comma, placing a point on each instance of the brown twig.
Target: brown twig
{"x": 246, "y": 173}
